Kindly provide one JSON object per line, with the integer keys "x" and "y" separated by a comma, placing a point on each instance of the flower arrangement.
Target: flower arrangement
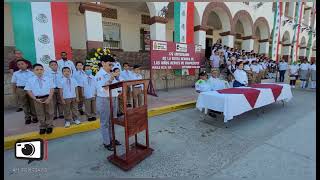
{"x": 94, "y": 56}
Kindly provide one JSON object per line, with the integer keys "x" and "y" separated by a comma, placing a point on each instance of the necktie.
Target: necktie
{"x": 69, "y": 83}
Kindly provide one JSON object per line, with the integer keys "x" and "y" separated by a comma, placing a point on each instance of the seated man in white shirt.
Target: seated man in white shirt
{"x": 215, "y": 82}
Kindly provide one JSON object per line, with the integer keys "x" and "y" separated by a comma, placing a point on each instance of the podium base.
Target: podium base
{"x": 137, "y": 153}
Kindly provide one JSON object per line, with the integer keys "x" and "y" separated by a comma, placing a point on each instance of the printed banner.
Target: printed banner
{"x": 171, "y": 55}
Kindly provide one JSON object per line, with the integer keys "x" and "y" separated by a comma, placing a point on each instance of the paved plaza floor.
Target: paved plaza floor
{"x": 277, "y": 144}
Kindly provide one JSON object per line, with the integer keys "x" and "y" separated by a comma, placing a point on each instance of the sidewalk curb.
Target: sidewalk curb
{"x": 9, "y": 141}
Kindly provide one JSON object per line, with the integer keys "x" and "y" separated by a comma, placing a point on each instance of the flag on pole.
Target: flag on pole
{"x": 183, "y": 27}
{"x": 41, "y": 30}
{"x": 296, "y": 28}
{"x": 276, "y": 32}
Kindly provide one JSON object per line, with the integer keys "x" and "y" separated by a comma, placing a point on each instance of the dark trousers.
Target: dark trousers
{"x": 282, "y": 72}
{"x": 237, "y": 84}
{"x": 293, "y": 82}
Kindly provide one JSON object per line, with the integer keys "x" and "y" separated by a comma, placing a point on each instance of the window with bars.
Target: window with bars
{"x": 111, "y": 35}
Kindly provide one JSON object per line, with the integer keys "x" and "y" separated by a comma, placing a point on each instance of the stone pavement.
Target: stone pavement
{"x": 14, "y": 121}
{"x": 276, "y": 144}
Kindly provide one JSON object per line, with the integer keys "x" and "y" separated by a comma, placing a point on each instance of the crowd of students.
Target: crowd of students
{"x": 240, "y": 68}
{"x": 68, "y": 90}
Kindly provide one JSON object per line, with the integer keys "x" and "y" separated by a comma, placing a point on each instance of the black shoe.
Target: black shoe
{"x": 109, "y": 147}
{"x": 19, "y": 109}
{"x": 42, "y": 131}
{"x": 94, "y": 118}
{"x": 61, "y": 117}
{"x": 49, "y": 130}
{"x": 55, "y": 118}
{"x": 120, "y": 114}
{"x": 28, "y": 121}
{"x": 34, "y": 120}
{"x": 81, "y": 112}
{"x": 129, "y": 105}
{"x": 90, "y": 119}
{"x": 117, "y": 143}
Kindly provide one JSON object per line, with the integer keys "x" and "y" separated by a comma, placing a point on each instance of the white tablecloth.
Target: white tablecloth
{"x": 235, "y": 104}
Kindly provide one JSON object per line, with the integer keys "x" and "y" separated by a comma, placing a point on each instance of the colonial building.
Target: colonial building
{"x": 126, "y": 27}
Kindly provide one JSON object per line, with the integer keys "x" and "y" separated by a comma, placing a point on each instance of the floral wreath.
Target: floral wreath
{"x": 94, "y": 56}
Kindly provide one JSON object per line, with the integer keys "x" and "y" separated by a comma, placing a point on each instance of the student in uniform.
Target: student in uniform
{"x": 203, "y": 84}
{"x": 137, "y": 91}
{"x": 69, "y": 97}
{"x": 19, "y": 80}
{"x": 241, "y": 78}
{"x": 56, "y": 77}
{"x": 104, "y": 77}
{"x": 40, "y": 88}
{"x": 117, "y": 78}
{"x": 313, "y": 74}
{"x": 303, "y": 72}
{"x": 255, "y": 72}
{"x": 215, "y": 82}
{"x": 89, "y": 93}
{"x": 231, "y": 68}
{"x": 293, "y": 74}
{"x": 126, "y": 75}
{"x": 64, "y": 62}
{"x": 79, "y": 75}
{"x": 283, "y": 66}
{"x": 247, "y": 69}
{"x": 116, "y": 63}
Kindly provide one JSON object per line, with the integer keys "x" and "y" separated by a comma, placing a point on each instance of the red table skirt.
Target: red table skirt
{"x": 276, "y": 89}
{"x": 250, "y": 94}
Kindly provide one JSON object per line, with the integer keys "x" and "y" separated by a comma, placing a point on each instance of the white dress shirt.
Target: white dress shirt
{"x": 79, "y": 76}
{"x": 102, "y": 78}
{"x": 304, "y": 66}
{"x": 20, "y": 78}
{"x": 56, "y": 77}
{"x": 126, "y": 75}
{"x": 39, "y": 86}
{"x": 241, "y": 76}
{"x": 293, "y": 69}
{"x": 136, "y": 76}
{"x": 255, "y": 68}
{"x": 313, "y": 67}
{"x": 67, "y": 63}
{"x": 203, "y": 85}
{"x": 215, "y": 60}
{"x": 217, "y": 84}
{"x": 89, "y": 86}
{"x": 283, "y": 66}
{"x": 68, "y": 86}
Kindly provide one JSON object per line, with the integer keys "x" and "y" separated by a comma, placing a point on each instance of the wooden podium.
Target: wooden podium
{"x": 134, "y": 121}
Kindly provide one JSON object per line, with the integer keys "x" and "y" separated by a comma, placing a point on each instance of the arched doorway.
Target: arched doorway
{"x": 242, "y": 26}
{"x": 262, "y": 34}
{"x": 302, "y": 48}
{"x": 286, "y": 45}
{"x": 217, "y": 19}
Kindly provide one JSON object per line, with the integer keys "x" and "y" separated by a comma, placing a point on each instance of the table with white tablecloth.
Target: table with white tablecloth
{"x": 235, "y": 104}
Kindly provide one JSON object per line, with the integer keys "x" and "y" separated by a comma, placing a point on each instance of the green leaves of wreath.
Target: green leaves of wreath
{"x": 94, "y": 56}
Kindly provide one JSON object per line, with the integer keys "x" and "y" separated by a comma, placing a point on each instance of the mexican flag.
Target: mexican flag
{"x": 276, "y": 31}
{"x": 41, "y": 30}
{"x": 310, "y": 32}
{"x": 183, "y": 28}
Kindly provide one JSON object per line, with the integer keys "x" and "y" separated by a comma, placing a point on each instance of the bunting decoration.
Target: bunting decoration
{"x": 276, "y": 31}
{"x": 296, "y": 28}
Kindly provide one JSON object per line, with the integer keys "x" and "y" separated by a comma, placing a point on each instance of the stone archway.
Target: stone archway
{"x": 242, "y": 27}
{"x": 222, "y": 11}
{"x": 261, "y": 32}
{"x": 286, "y": 45}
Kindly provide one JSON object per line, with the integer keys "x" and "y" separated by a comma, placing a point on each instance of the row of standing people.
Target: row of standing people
{"x": 61, "y": 91}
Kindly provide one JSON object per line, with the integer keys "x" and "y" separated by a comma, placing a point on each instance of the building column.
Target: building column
{"x": 313, "y": 54}
{"x": 93, "y": 23}
{"x": 227, "y": 39}
{"x": 302, "y": 52}
{"x": 264, "y": 46}
{"x": 292, "y": 7}
{"x": 200, "y": 36}
{"x": 158, "y": 28}
{"x": 247, "y": 43}
{"x": 307, "y": 16}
